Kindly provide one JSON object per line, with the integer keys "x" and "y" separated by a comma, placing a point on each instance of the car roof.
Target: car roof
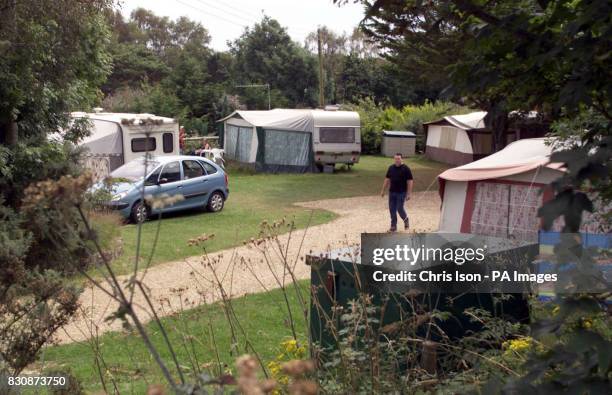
{"x": 163, "y": 159}
{"x": 171, "y": 158}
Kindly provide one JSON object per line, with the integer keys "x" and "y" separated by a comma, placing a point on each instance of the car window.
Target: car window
{"x": 135, "y": 169}
{"x": 153, "y": 177}
{"x": 171, "y": 172}
{"x": 210, "y": 169}
{"x": 192, "y": 169}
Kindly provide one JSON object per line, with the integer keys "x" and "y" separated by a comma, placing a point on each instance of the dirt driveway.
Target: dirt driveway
{"x": 175, "y": 285}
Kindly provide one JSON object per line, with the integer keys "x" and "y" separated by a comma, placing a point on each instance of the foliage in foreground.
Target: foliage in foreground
{"x": 50, "y": 64}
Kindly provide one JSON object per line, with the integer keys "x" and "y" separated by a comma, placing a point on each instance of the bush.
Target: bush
{"x": 40, "y": 246}
{"x": 146, "y": 99}
{"x": 196, "y": 127}
{"x": 375, "y": 119}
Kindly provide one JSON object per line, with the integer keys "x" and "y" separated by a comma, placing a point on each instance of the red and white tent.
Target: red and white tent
{"x": 500, "y": 194}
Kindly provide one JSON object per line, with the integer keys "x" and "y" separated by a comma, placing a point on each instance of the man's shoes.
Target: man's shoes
{"x": 392, "y": 229}
{"x": 406, "y": 223}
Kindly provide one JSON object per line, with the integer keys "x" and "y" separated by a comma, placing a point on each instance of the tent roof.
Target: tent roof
{"x": 517, "y": 157}
{"x": 471, "y": 121}
{"x": 296, "y": 119}
{"x": 118, "y": 117}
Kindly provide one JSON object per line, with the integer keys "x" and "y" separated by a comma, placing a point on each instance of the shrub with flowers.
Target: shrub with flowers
{"x": 519, "y": 345}
{"x": 289, "y": 350}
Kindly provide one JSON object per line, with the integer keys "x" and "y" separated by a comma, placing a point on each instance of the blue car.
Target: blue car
{"x": 202, "y": 184}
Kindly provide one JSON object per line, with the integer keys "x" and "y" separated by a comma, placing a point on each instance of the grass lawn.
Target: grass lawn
{"x": 257, "y": 197}
{"x": 253, "y": 198}
{"x": 133, "y": 368}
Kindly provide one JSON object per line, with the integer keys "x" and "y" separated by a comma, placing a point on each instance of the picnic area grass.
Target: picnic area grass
{"x": 124, "y": 357}
{"x": 257, "y": 197}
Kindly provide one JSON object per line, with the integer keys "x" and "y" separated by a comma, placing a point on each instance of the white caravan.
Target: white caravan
{"x": 117, "y": 138}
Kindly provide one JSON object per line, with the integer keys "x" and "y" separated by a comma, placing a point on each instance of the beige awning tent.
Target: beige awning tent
{"x": 278, "y": 118}
{"x": 451, "y": 139}
{"x": 461, "y": 139}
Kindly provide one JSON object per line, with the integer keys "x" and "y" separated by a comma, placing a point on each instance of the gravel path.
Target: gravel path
{"x": 178, "y": 285}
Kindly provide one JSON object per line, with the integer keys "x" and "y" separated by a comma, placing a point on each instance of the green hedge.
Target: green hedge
{"x": 375, "y": 119}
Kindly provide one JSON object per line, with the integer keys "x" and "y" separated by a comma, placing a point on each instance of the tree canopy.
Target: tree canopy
{"x": 549, "y": 56}
{"x": 48, "y": 63}
{"x": 265, "y": 54}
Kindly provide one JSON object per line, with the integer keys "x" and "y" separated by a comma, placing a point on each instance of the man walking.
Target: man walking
{"x": 399, "y": 181}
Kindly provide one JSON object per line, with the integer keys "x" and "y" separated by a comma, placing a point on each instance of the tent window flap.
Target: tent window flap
{"x": 231, "y": 138}
{"x": 243, "y": 147}
{"x": 448, "y": 137}
{"x": 286, "y": 148}
{"x": 506, "y": 210}
{"x": 238, "y": 142}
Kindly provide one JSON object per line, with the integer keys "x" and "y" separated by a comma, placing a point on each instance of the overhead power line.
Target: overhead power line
{"x": 231, "y": 9}
{"x": 206, "y": 12}
{"x": 236, "y": 14}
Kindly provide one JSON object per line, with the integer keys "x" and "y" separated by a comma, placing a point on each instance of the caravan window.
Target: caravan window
{"x": 337, "y": 135}
{"x": 143, "y": 144}
{"x": 168, "y": 142}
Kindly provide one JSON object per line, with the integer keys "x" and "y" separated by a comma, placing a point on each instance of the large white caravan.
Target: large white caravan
{"x": 117, "y": 138}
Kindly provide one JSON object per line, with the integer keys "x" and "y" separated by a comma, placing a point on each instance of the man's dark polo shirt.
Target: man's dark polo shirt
{"x": 399, "y": 176}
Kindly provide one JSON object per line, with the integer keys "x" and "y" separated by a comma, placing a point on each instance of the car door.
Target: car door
{"x": 195, "y": 184}
{"x": 169, "y": 183}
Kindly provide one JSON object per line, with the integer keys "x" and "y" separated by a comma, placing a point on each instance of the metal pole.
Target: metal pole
{"x": 268, "y": 85}
{"x": 321, "y": 81}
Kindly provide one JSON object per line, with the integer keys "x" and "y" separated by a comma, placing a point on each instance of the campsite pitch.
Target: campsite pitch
{"x": 191, "y": 276}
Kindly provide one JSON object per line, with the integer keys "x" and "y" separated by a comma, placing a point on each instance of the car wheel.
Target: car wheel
{"x": 215, "y": 202}
{"x": 140, "y": 212}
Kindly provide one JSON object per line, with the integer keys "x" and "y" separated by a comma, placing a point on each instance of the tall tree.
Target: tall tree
{"x": 502, "y": 55}
{"x": 333, "y": 48}
{"x": 49, "y": 64}
{"x": 52, "y": 60}
{"x": 265, "y": 54}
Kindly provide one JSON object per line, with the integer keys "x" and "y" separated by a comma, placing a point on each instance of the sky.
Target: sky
{"x": 226, "y": 19}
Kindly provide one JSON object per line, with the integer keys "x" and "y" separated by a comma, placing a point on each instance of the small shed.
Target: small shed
{"x": 395, "y": 141}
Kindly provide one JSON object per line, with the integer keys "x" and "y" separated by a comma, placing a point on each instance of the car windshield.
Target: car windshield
{"x": 135, "y": 169}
